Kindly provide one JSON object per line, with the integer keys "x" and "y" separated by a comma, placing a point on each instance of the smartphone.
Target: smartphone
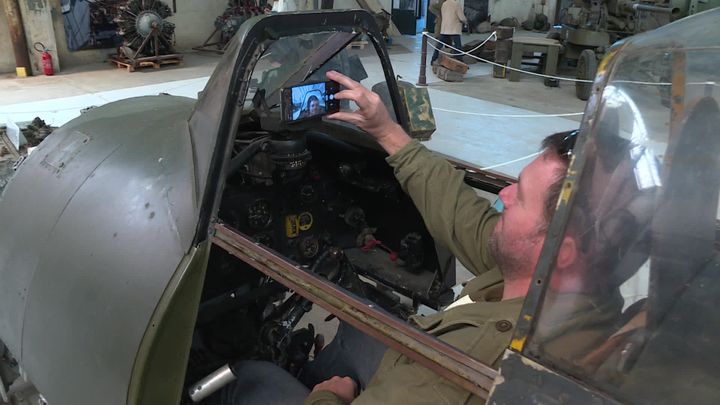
{"x": 309, "y": 100}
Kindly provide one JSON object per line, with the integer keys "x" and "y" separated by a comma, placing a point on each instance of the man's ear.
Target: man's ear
{"x": 568, "y": 253}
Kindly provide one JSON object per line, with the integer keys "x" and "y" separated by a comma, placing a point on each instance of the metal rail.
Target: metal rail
{"x": 441, "y": 358}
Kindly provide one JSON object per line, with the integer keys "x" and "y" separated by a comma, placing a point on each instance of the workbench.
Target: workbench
{"x": 547, "y": 46}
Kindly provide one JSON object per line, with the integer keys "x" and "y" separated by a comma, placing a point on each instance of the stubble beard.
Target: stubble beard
{"x": 512, "y": 254}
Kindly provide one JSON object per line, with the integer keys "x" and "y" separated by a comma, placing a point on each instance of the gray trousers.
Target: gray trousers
{"x": 350, "y": 354}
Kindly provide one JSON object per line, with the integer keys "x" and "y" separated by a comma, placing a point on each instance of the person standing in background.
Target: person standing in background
{"x": 436, "y": 8}
{"x": 451, "y": 26}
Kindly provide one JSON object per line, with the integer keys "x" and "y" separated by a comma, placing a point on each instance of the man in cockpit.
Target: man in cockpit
{"x": 500, "y": 249}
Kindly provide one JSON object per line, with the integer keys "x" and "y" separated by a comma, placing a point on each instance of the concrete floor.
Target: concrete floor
{"x": 497, "y": 135}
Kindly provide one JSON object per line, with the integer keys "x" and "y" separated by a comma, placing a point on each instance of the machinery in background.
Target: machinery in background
{"x": 589, "y": 27}
{"x": 147, "y": 35}
{"x": 89, "y": 24}
{"x": 227, "y": 24}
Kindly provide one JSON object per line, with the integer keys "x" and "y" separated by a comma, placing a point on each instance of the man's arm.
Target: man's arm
{"x": 460, "y": 13}
{"x": 408, "y": 384}
{"x": 453, "y": 213}
{"x": 455, "y": 216}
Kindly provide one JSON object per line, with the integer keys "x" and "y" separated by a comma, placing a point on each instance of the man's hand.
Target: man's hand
{"x": 344, "y": 387}
{"x": 372, "y": 116}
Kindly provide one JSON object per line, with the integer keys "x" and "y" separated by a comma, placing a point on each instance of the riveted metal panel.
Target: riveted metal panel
{"x": 101, "y": 216}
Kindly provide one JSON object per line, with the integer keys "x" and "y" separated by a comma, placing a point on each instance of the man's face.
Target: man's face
{"x": 519, "y": 234}
{"x": 314, "y": 107}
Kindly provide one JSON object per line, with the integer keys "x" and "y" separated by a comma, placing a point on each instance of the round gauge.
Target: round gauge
{"x": 307, "y": 193}
{"x": 305, "y": 221}
{"x": 259, "y": 215}
{"x": 355, "y": 216}
{"x": 309, "y": 247}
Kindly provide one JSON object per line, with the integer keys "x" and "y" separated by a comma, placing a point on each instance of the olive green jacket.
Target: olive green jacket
{"x": 457, "y": 218}
{"x": 453, "y": 213}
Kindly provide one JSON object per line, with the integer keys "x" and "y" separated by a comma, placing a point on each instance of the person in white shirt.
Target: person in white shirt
{"x": 453, "y": 19}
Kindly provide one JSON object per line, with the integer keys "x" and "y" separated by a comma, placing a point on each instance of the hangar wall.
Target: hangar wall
{"x": 350, "y": 4}
{"x": 37, "y": 24}
{"x": 500, "y": 9}
{"x": 194, "y": 21}
{"x": 7, "y": 60}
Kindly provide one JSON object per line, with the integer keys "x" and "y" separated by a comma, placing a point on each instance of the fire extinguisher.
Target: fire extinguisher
{"x": 47, "y": 63}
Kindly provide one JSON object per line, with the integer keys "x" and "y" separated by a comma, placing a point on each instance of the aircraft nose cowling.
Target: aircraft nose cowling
{"x": 95, "y": 222}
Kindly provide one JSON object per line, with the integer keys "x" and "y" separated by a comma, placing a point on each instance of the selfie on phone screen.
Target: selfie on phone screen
{"x": 309, "y": 100}
{"x": 312, "y": 98}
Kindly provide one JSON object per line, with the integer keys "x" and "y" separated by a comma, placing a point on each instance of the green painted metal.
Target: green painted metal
{"x": 159, "y": 371}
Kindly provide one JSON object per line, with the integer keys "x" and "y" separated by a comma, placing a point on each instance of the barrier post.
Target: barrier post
{"x": 422, "y": 79}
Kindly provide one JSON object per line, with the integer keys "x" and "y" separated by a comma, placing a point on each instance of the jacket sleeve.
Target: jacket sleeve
{"x": 461, "y": 14}
{"x": 322, "y": 398}
{"x": 453, "y": 213}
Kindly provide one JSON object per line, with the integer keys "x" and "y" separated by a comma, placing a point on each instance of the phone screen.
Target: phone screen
{"x": 309, "y": 100}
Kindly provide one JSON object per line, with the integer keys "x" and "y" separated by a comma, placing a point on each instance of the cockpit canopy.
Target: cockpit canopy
{"x": 631, "y": 306}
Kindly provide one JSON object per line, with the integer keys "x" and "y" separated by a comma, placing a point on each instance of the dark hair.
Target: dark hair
{"x": 311, "y": 99}
{"x": 557, "y": 146}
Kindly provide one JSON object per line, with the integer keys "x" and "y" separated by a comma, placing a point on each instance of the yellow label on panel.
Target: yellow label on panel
{"x": 305, "y": 221}
{"x": 21, "y": 72}
{"x": 518, "y": 344}
{"x": 292, "y": 228}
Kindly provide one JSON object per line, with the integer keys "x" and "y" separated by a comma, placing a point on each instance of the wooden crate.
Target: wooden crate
{"x": 453, "y": 64}
{"x": 448, "y": 75}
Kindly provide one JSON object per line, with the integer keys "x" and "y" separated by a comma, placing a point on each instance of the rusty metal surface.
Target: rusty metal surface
{"x": 422, "y": 78}
{"x": 443, "y": 359}
{"x": 17, "y": 34}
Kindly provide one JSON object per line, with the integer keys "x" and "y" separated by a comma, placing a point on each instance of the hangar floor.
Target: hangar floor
{"x": 512, "y": 115}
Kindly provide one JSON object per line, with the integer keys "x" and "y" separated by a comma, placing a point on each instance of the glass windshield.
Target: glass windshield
{"x": 306, "y": 58}
{"x": 632, "y": 304}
